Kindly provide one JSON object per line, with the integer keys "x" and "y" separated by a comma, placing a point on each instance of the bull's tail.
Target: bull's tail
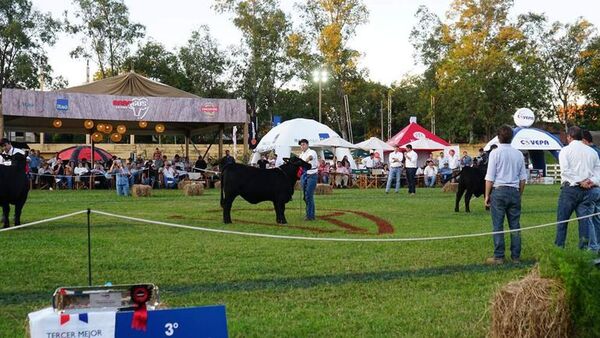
{"x": 222, "y": 184}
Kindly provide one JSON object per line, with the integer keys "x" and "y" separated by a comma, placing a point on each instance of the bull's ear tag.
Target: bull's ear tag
{"x": 299, "y": 172}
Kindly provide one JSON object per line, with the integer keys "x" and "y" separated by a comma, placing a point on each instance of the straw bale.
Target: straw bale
{"x": 141, "y": 190}
{"x": 450, "y": 187}
{"x": 183, "y": 183}
{"x": 193, "y": 189}
{"x": 217, "y": 184}
{"x": 531, "y": 307}
{"x": 323, "y": 189}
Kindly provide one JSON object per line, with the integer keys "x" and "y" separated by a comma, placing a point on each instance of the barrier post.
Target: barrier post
{"x": 89, "y": 230}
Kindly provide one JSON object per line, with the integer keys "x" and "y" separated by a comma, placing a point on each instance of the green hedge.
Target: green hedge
{"x": 582, "y": 283}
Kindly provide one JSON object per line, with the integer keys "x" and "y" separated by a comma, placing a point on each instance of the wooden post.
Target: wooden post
{"x": 187, "y": 147}
{"x": 221, "y": 131}
{"x": 1, "y": 123}
{"x": 42, "y": 137}
{"x": 131, "y": 139}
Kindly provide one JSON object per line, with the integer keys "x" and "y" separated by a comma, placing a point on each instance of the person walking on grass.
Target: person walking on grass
{"x": 504, "y": 185}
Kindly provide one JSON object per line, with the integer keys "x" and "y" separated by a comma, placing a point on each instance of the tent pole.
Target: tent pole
{"x": 1, "y": 123}
{"x": 221, "y": 131}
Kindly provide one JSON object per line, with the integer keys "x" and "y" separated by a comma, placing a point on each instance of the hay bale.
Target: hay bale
{"x": 323, "y": 189}
{"x": 193, "y": 189}
{"x": 183, "y": 183}
{"x": 217, "y": 184}
{"x": 450, "y": 187}
{"x": 531, "y": 307}
{"x": 141, "y": 190}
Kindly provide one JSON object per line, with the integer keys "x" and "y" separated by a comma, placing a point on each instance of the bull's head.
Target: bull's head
{"x": 298, "y": 162}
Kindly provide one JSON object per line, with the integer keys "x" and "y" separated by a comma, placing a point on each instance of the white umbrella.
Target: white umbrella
{"x": 374, "y": 143}
{"x": 425, "y": 144}
{"x": 334, "y": 142}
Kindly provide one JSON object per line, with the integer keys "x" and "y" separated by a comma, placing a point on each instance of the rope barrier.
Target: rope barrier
{"x": 324, "y": 239}
{"x": 330, "y": 239}
{"x": 44, "y": 221}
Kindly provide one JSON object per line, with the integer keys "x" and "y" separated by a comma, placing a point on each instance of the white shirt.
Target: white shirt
{"x": 368, "y": 162}
{"x": 442, "y": 160}
{"x": 506, "y": 166}
{"x": 80, "y": 170}
{"x": 578, "y": 162}
{"x": 430, "y": 171}
{"x": 453, "y": 162}
{"x": 397, "y": 156}
{"x": 411, "y": 159}
{"x": 169, "y": 172}
{"x": 420, "y": 171}
{"x": 11, "y": 152}
{"x": 314, "y": 166}
{"x": 279, "y": 161}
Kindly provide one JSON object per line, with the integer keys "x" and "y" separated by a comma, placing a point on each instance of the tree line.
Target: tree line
{"x": 481, "y": 63}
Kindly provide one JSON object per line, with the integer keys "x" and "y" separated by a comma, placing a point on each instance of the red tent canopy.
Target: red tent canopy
{"x": 77, "y": 153}
{"x": 414, "y": 132}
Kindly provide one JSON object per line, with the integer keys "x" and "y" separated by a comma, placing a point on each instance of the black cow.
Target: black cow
{"x": 471, "y": 182}
{"x": 257, "y": 185}
{"x": 14, "y": 187}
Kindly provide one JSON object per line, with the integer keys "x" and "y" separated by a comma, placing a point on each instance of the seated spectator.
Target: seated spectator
{"x": 324, "y": 172}
{"x": 263, "y": 162}
{"x": 59, "y": 174}
{"x": 466, "y": 160}
{"x": 200, "y": 165}
{"x": 170, "y": 176}
{"x": 99, "y": 175}
{"x": 46, "y": 176}
{"x": 430, "y": 173}
{"x": 341, "y": 175}
{"x": 446, "y": 173}
{"x": 157, "y": 154}
{"x": 69, "y": 174}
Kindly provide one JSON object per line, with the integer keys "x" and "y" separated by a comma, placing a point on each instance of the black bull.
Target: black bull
{"x": 471, "y": 182}
{"x": 257, "y": 185}
{"x": 14, "y": 187}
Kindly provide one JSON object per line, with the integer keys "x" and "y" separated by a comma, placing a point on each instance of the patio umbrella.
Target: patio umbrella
{"x": 425, "y": 144}
{"x": 334, "y": 142}
{"x": 374, "y": 143}
{"x": 76, "y": 153}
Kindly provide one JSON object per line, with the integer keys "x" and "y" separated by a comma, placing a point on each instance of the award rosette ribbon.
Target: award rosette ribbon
{"x": 139, "y": 296}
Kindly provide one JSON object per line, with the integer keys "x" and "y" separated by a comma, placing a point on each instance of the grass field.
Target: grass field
{"x": 275, "y": 287}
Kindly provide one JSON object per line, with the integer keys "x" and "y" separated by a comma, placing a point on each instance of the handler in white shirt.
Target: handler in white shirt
{"x": 411, "y": 169}
{"x": 395, "y": 161}
{"x": 580, "y": 177}
{"x": 9, "y": 150}
{"x": 309, "y": 178}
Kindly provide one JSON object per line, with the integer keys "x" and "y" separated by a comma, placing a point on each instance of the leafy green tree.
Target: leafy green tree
{"x": 329, "y": 25}
{"x": 24, "y": 34}
{"x": 106, "y": 33}
{"x": 562, "y": 48}
{"x": 262, "y": 67}
{"x": 205, "y": 65}
{"x": 588, "y": 74}
{"x": 153, "y": 60}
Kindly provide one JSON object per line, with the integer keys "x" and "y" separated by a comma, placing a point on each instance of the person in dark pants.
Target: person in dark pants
{"x": 309, "y": 178}
{"x": 504, "y": 185}
{"x": 410, "y": 164}
{"x": 580, "y": 177}
{"x": 227, "y": 159}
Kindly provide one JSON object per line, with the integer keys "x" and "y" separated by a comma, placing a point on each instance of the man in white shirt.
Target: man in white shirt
{"x": 309, "y": 178}
{"x": 9, "y": 151}
{"x": 506, "y": 174}
{"x": 395, "y": 162}
{"x": 580, "y": 176}
{"x": 411, "y": 169}
{"x": 369, "y": 162}
{"x": 430, "y": 174}
{"x": 453, "y": 160}
{"x": 169, "y": 174}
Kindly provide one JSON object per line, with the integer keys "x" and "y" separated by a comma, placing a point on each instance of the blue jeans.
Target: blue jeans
{"x": 430, "y": 181}
{"x": 595, "y": 224}
{"x": 578, "y": 200}
{"x": 309, "y": 183}
{"x": 506, "y": 201}
{"x": 394, "y": 172}
{"x": 170, "y": 183}
{"x": 123, "y": 189}
{"x": 412, "y": 180}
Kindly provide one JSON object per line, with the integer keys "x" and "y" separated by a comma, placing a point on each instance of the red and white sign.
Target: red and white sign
{"x": 139, "y": 106}
{"x": 209, "y": 109}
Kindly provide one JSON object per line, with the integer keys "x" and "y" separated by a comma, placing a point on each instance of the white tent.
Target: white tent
{"x": 284, "y": 138}
{"x": 531, "y": 139}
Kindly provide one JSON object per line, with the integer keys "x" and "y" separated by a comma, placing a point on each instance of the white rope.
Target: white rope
{"x": 231, "y": 232}
{"x": 44, "y": 220}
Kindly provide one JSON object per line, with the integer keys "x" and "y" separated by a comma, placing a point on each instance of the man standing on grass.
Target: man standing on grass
{"x": 594, "y": 230}
{"x": 580, "y": 173}
{"x": 506, "y": 174}
{"x": 395, "y": 161}
{"x": 411, "y": 169}
{"x": 309, "y": 178}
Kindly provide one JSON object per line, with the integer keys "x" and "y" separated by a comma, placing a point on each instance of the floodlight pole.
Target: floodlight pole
{"x": 320, "y": 84}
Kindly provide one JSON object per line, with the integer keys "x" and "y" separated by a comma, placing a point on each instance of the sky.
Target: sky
{"x": 383, "y": 41}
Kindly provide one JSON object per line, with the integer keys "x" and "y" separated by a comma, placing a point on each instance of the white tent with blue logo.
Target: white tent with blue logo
{"x": 284, "y": 138}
